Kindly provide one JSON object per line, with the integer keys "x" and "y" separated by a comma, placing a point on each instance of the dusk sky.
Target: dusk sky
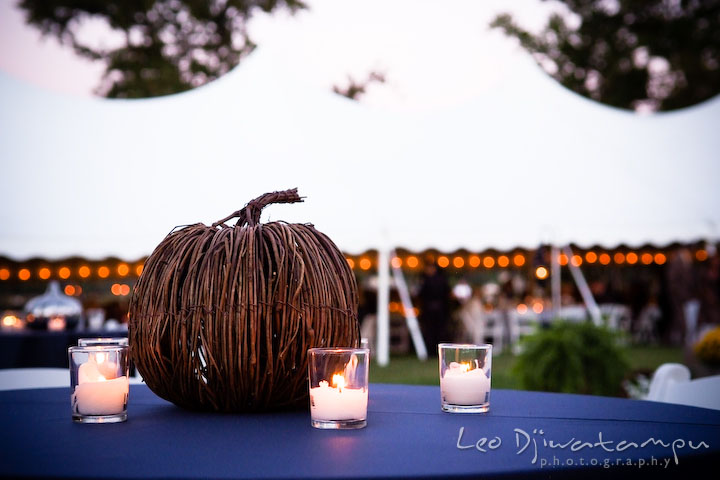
{"x": 468, "y": 144}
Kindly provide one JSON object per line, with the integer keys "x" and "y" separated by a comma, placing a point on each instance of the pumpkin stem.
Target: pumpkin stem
{"x": 250, "y": 213}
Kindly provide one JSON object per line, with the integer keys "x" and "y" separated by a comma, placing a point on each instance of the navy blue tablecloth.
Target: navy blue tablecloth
{"x": 541, "y": 435}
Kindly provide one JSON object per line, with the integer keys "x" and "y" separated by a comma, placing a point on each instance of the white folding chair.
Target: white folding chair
{"x": 495, "y": 330}
{"x": 473, "y": 321}
{"x": 619, "y": 317}
{"x": 671, "y": 383}
{"x": 521, "y": 324}
{"x": 646, "y": 330}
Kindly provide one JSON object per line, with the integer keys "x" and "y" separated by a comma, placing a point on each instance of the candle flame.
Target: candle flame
{"x": 465, "y": 367}
{"x": 100, "y": 358}
{"x": 338, "y": 381}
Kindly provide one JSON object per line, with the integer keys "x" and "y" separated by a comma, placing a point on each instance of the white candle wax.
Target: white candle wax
{"x": 330, "y": 403}
{"x": 103, "y": 397}
{"x": 461, "y": 386}
{"x": 97, "y": 393}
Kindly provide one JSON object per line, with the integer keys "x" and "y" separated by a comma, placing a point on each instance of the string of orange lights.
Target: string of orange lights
{"x": 78, "y": 272}
{"x": 363, "y": 262}
{"x": 366, "y": 262}
{"x": 25, "y": 272}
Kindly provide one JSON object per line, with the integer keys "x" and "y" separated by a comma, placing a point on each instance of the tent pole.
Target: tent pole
{"x": 383, "y": 311}
{"x": 555, "y": 280}
{"x": 582, "y": 285}
{"x": 410, "y": 318}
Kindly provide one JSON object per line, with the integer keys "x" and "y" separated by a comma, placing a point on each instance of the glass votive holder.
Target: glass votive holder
{"x": 99, "y": 383}
{"x": 338, "y": 382}
{"x": 465, "y": 372}
{"x": 102, "y": 341}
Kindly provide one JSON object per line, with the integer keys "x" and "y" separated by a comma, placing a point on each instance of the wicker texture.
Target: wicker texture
{"x": 222, "y": 316}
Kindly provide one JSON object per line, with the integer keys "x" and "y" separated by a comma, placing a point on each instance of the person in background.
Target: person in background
{"x": 709, "y": 291}
{"x": 507, "y": 302}
{"x": 681, "y": 292}
{"x": 434, "y": 299}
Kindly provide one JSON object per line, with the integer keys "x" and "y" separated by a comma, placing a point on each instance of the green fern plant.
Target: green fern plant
{"x": 572, "y": 358}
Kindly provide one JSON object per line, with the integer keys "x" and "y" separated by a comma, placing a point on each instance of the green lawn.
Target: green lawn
{"x": 410, "y": 370}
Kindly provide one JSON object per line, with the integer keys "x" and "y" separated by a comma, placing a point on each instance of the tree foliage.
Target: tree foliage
{"x": 356, "y": 89}
{"x": 169, "y": 45}
{"x": 634, "y": 54}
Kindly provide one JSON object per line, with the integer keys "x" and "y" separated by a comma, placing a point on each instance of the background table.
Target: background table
{"x": 32, "y": 348}
{"x": 407, "y": 437}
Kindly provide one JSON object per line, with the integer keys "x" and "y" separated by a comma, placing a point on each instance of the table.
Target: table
{"x": 407, "y": 437}
{"x": 32, "y": 348}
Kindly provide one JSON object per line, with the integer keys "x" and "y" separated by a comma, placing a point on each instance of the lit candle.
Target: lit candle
{"x": 337, "y": 402}
{"x": 99, "y": 391}
{"x": 461, "y": 385}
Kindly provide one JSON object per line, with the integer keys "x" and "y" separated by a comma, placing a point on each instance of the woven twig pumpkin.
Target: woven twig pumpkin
{"x": 222, "y": 316}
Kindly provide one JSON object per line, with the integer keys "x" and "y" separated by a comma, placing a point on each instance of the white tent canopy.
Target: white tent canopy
{"x": 525, "y": 163}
